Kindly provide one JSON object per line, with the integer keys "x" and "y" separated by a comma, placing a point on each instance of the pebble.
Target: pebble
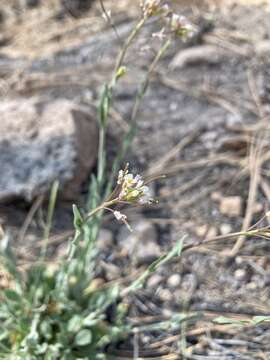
{"x": 240, "y": 274}
{"x": 112, "y": 271}
{"x": 251, "y": 286}
{"x": 225, "y": 229}
{"x": 257, "y": 208}
{"x": 201, "y": 230}
{"x": 165, "y": 295}
{"x": 231, "y": 206}
{"x": 216, "y": 196}
{"x": 205, "y": 231}
{"x": 141, "y": 244}
{"x": 174, "y": 281}
{"x": 211, "y": 233}
{"x": 154, "y": 280}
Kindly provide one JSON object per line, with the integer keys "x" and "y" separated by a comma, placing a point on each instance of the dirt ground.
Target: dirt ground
{"x": 204, "y": 123}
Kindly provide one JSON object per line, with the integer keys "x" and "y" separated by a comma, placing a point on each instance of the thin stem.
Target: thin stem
{"x": 145, "y": 83}
{"x": 122, "y": 54}
{"x": 103, "y": 206}
{"x": 101, "y": 156}
{"x": 51, "y": 207}
{"x": 256, "y": 232}
{"x": 103, "y": 127}
{"x": 131, "y": 133}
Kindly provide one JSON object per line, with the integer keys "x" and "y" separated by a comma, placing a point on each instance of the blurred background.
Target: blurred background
{"x": 204, "y": 122}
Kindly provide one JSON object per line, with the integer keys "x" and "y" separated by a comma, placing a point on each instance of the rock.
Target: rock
{"x": 112, "y": 271}
{"x": 240, "y": 274}
{"x": 205, "y": 231}
{"x": 211, "y": 233}
{"x": 251, "y": 286}
{"x": 43, "y": 141}
{"x": 141, "y": 244}
{"x": 154, "y": 281}
{"x": 257, "y": 208}
{"x": 225, "y": 229}
{"x": 165, "y": 295}
{"x": 62, "y": 250}
{"x": 105, "y": 240}
{"x": 262, "y": 48}
{"x": 216, "y": 196}
{"x": 201, "y": 231}
{"x": 32, "y": 3}
{"x": 77, "y": 8}
{"x": 174, "y": 281}
{"x": 231, "y": 206}
{"x": 208, "y": 54}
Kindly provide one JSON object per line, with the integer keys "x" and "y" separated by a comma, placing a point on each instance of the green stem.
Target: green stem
{"x": 140, "y": 94}
{"x": 108, "y": 94}
{"x": 122, "y": 54}
{"x": 51, "y": 207}
{"x": 145, "y": 83}
{"x": 106, "y": 204}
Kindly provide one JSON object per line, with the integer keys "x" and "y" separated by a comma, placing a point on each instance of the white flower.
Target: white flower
{"x": 154, "y": 7}
{"x": 122, "y": 217}
{"x": 132, "y": 189}
{"x": 119, "y": 216}
{"x": 160, "y": 34}
{"x": 181, "y": 26}
{"x": 121, "y": 176}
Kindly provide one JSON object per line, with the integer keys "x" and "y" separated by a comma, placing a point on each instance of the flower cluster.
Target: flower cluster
{"x": 175, "y": 24}
{"x": 154, "y": 8}
{"x": 180, "y": 26}
{"x": 132, "y": 188}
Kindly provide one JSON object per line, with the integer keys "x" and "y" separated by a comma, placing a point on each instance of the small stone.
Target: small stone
{"x": 77, "y": 8}
{"x": 105, "y": 240}
{"x": 262, "y": 48}
{"x": 257, "y": 208}
{"x": 32, "y": 3}
{"x": 211, "y": 233}
{"x": 240, "y": 274}
{"x": 216, "y": 196}
{"x": 62, "y": 250}
{"x": 141, "y": 244}
{"x": 225, "y": 229}
{"x": 154, "y": 281}
{"x": 251, "y": 286}
{"x": 239, "y": 260}
{"x": 234, "y": 120}
{"x": 174, "y": 281}
{"x": 197, "y": 55}
{"x": 167, "y": 312}
{"x": 112, "y": 271}
{"x": 231, "y": 206}
{"x": 205, "y": 231}
{"x": 165, "y": 295}
{"x": 201, "y": 231}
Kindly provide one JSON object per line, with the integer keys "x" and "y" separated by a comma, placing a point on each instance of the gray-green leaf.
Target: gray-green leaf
{"x": 83, "y": 338}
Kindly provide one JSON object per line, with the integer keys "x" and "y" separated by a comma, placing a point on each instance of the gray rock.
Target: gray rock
{"x": 154, "y": 281}
{"x": 195, "y": 55}
{"x": 174, "y": 281}
{"x": 141, "y": 244}
{"x": 32, "y": 3}
{"x": 44, "y": 141}
{"x": 77, "y": 8}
